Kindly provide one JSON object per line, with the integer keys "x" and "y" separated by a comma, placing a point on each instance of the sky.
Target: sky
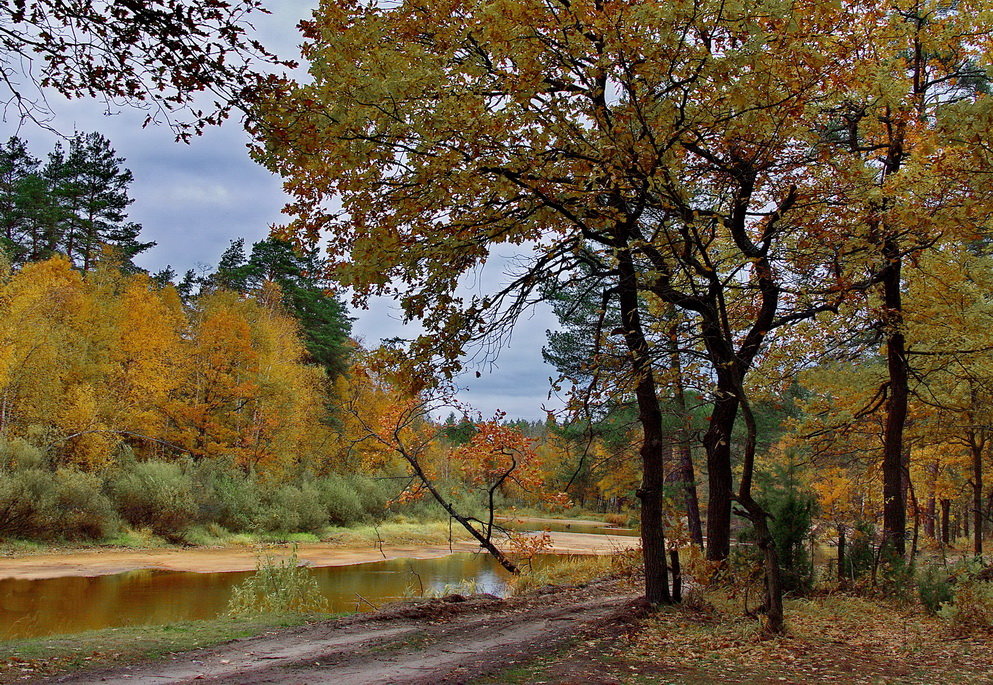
{"x": 193, "y": 200}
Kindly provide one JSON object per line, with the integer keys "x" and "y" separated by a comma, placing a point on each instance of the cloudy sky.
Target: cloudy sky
{"x": 194, "y": 199}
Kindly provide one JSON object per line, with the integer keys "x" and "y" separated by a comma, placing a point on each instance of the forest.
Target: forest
{"x": 764, "y": 231}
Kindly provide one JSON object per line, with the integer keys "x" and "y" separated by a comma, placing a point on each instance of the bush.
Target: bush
{"x": 18, "y": 453}
{"x": 972, "y": 606}
{"x": 20, "y": 495}
{"x": 934, "y": 588}
{"x": 74, "y": 507}
{"x": 157, "y": 495}
{"x": 860, "y": 554}
{"x": 226, "y": 496}
{"x": 288, "y": 508}
{"x": 278, "y": 586}
{"x": 791, "y": 511}
{"x": 353, "y": 498}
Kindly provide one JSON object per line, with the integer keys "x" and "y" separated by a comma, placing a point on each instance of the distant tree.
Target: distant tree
{"x": 74, "y": 205}
{"x": 90, "y": 186}
{"x": 305, "y": 293}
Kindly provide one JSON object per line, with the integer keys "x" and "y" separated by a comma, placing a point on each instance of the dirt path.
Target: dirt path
{"x": 101, "y": 562}
{"x": 429, "y": 642}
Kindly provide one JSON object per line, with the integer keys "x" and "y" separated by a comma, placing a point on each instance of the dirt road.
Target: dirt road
{"x": 432, "y": 642}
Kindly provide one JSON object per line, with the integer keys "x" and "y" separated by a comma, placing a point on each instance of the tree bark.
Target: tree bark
{"x": 653, "y": 442}
{"x": 841, "y": 553}
{"x": 894, "y": 506}
{"x": 946, "y": 508}
{"x": 717, "y": 442}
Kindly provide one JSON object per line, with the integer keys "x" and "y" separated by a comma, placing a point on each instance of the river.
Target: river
{"x": 35, "y": 607}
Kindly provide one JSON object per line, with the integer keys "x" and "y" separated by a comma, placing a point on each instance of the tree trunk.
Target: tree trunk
{"x": 684, "y": 452}
{"x": 931, "y": 514}
{"x": 692, "y": 502}
{"x": 653, "y": 443}
{"x": 774, "y": 617}
{"x": 894, "y": 504}
{"x": 717, "y": 441}
{"x": 946, "y": 508}
{"x": 976, "y": 447}
{"x": 775, "y": 623}
{"x": 677, "y": 575}
{"x": 841, "y": 553}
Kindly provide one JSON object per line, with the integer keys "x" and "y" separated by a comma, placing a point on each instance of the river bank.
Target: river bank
{"x": 98, "y": 562}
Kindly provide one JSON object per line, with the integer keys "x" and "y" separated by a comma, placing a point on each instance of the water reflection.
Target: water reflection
{"x": 33, "y": 608}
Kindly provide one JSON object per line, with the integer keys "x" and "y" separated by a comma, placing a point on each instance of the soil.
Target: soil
{"x": 450, "y": 640}
{"x": 243, "y": 558}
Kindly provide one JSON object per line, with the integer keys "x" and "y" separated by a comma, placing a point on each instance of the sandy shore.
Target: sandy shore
{"x": 101, "y": 562}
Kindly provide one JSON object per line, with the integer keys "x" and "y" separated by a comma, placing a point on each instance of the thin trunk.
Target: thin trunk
{"x": 931, "y": 515}
{"x": 917, "y": 514}
{"x": 677, "y": 575}
{"x": 841, "y": 553}
{"x": 484, "y": 540}
{"x": 684, "y": 453}
{"x": 976, "y": 444}
{"x": 775, "y": 622}
{"x": 894, "y": 504}
{"x": 946, "y": 508}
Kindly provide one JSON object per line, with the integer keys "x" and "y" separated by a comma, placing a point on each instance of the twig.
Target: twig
{"x": 374, "y": 607}
{"x": 419, "y": 581}
{"x": 379, "y": 540}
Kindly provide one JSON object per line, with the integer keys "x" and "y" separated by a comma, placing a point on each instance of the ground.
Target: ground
{"x": 597, "y": 633}
{"x": 452, "y": 640}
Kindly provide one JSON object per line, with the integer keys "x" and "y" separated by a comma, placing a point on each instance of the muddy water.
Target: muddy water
{"x": 563, "y": 526}
{"x": 34, "y": 608}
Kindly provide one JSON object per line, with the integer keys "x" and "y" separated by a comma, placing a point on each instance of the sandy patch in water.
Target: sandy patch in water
{"x": 101, "y": 562}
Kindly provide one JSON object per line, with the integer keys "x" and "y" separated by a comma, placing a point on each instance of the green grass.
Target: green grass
{"x": 59, "y": 654}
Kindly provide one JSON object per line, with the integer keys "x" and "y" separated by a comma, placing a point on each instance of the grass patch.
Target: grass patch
{"x": 575, "y": 570}
{"x": 37, "y": 657}
{"x": 395, "y": 533}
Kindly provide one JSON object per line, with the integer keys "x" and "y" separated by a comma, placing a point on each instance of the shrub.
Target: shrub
{"x": 18, "y": 453}
{"x": 972, "y": 606}
{"x": 934, "y": 588}
{"x": 20, "y": 495}
{"x": 278, "y": 586}
{"x": 226, "y": 496}
{"x": 74, "y": 507}
{"x": 288, "y": 508}
{"x": 791, "y": 510}
{"x": 342, "y": 498}
{"x": 860, "y": 554}
{"x": 157, "y": 495}
{"x": 896, "y": 576}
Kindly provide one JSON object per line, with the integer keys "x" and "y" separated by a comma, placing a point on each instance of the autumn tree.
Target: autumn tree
{"x": 186, "y": 63}
{"x": 307, "y": 295}
{"x": 493, "y": 458}
{"x": 669, "y": 147}
{"x": 906, "y": 155}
